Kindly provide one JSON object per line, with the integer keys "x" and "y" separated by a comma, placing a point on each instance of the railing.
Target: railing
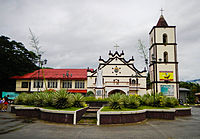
{"x": 111, "y": 83}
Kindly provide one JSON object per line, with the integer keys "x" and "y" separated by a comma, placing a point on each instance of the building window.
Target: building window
{"x": 38, "y": 84}
{"x": 24, "y": 85}
{"x": 133, "y": 81}
{"x": 165, "y": 56}
{"x": 52, "y": 84}
{"x": 164, "y": 38}
{"x": 67, "y": 84}
{"x": 79, "y": 84}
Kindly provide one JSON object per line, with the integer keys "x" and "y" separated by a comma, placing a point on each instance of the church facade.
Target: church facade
{"x": 116, "y": 74}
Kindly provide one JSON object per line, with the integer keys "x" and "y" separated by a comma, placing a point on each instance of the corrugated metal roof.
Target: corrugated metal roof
{"x": 55, "y": 74}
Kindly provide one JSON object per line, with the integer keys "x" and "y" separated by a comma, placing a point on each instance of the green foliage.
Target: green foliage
{"x": 131, "y": 101}
{"x": 91, "y": 98}
{"x": 78, "y": 100}
{"x": 15, "y": 59}
{"x": 115, "y": 101}
{"x": 39, "y": 98}
{"x": 48, "y": 99}
{"x": 20, "y": 100}
{"x": 90, "y": 93}
{"x": 194, "y": 88}
{"x": 63, "y": 100}
{"x": 171, "y": 102}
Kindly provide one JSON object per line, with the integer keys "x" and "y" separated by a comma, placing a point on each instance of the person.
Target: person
{"x": 1, "y": 104}
{"x": 5, "y": 103}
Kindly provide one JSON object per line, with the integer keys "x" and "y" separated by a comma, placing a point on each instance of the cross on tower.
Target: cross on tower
{"x": 161, "y": 10}
{"x": 116, "y": 46}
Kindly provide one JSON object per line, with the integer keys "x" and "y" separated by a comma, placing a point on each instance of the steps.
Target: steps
{"x": 90, "y": 117}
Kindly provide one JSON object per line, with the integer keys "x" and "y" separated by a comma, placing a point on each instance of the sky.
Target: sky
{"x": 74, "y": 33}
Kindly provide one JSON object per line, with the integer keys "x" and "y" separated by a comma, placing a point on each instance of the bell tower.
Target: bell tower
{"x": 163, "y": 59}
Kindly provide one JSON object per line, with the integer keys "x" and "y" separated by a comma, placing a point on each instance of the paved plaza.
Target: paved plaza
{"x": 13, "y": 127}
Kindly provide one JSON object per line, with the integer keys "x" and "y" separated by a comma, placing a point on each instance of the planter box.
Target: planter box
{"x": 59, "y": 116}
{"x": 122, "y": 117}
{"x": 183, "y": 112}
{"x": 31, "y": 112}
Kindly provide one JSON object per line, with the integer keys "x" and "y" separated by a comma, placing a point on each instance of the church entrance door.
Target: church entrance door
{"x": 116, "y": 91}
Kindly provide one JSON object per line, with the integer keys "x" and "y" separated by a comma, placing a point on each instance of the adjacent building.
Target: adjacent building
{"x": 73, "y": 80}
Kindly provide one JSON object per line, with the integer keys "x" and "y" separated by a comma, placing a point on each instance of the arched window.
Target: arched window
{"x": 165, "y": 56}
{"x": 133, "y": 81}
{"x": 164, "y": 38}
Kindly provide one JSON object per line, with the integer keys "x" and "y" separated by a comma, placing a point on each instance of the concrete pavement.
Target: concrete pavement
{"x": 181, "y": 128}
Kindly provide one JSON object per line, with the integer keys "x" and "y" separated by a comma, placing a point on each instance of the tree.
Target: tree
{"x": 15, "y": 59}
{"x": 34, "y": 42}
{"x": 143, "y": 51}
{"x": 194, "y": 88}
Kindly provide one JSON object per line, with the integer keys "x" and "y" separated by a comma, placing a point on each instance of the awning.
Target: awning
{"x": 77, "y": 91}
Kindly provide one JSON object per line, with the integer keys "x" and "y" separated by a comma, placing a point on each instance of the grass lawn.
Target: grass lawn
{"x": 106, "y": 108}
{"x": 66, "y": 109}
{"x": 52, "y": 108}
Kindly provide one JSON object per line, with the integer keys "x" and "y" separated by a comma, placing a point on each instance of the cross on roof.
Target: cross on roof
{"x": 161, "y": 10}
{"x": 116, "y": 46}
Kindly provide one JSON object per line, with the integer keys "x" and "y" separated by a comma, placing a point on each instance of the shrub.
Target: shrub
{"x": 39, "y": 98}
{"x": 63, "y": 100}
{"x": 115, "y": 102}
{"x": 147, "y": 100}
{"x": 29, "y": 99}
{"x": 171, "y": 102}
{"x": 131, "y": 101}
{"x": 90, "y": 98}
{"x": 48, "y": 99}
{"x": 78, "y": 100}
{"x": 20, "y": 100}
{"x": 90, "y": 93}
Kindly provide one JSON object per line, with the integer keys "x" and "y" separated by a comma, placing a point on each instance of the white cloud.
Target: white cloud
{"x": 74, "y": 33}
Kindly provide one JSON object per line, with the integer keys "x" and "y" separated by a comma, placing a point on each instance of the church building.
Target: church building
{"x": 116, "y": 75}
{"x": 163, "y": 66}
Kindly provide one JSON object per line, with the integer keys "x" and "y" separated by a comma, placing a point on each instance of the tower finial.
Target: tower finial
{"x": 116, "y": 46}
{"x": 161, "y": 10}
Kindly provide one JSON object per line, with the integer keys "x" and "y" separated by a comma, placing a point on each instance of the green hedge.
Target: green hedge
{"x": 61, "y": 100}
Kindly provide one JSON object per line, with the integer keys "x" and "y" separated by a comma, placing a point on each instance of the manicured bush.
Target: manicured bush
{"x": 29, "y": 99}
{"x": 39, "y": 98}
{"x": 48, "y": 99}
{"x": 131, "y": 101}
{"x": 115, "y": 101}
{"x": 171, "y": 102}
{"x": 20, "y": 100}
{"x": 78, "y": 100}
{"x": 62, "y": 100}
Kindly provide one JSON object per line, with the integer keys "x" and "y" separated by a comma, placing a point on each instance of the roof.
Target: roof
{"x": 197, "y": 94}
{"x": 55, "y": 74}
{"x": 162, "y": 22}
{"x": 184, "y": 90}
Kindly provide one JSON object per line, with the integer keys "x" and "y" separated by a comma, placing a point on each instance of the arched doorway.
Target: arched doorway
{"x": 116, "y": 91}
